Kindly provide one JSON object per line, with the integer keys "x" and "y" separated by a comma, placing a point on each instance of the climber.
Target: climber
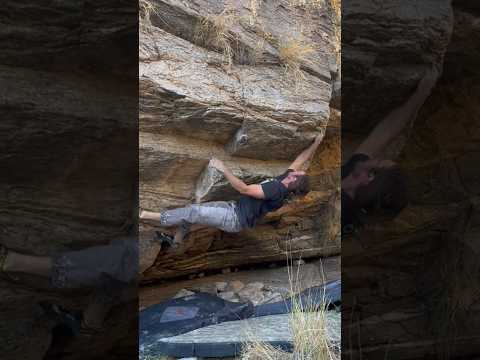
{"x": 372, "y": 185}
{"x": 108, "y": 271}
{"x": 233, "y": 216}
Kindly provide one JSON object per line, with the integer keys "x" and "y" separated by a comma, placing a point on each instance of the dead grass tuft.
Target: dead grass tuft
{"x": 254, "y": 11}
{"x": 294, "y": 54}
{"x": 146, "y": 9}
{"x": 263, "y": 351}
{"x": 308, "y": 323}
{"x": 310, "y": 338}
{"x": 215, "y": 32}
{"x": 336, "y": 22}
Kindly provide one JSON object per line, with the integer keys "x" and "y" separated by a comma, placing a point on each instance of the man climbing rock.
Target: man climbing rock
{"x": 372, "y": 185}
{"x": 233, "y": 216}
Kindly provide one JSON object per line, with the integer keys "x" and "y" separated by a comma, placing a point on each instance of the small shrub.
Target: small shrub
{"x": 336, "y": 22}
{"x": 309, "y": 329}
{"x": 146, "y": 9}
{"x": 293, "y": 54}
{"x": 214, "y": 32}
{"x": 254, "y": 11}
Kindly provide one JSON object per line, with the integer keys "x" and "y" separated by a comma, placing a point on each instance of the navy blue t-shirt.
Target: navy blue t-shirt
{"x": 350, "y": 211}
{"x": 250, "y": 209}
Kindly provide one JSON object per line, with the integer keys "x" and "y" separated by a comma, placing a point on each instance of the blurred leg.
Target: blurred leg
{"x": 35, "y": 265}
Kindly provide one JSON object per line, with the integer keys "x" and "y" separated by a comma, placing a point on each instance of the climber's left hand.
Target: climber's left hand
{"x": 217, "y": 164}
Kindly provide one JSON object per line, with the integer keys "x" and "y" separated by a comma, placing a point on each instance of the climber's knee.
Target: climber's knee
{"x": 194, "y": 214}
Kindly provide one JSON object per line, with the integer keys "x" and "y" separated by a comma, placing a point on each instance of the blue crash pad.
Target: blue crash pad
{"x": 182, "y": 315}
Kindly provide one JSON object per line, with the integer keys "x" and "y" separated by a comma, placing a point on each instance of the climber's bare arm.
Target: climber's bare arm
{"x": 306, "y": 155}
{"x": 149, "y": 215}
{"x": 255, "y": 191}
{"x": 393, "y": 124}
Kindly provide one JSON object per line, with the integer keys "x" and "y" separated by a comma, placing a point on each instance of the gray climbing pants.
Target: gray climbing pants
{"x": 97, "y": 267}
{"x": 218, "y": 214}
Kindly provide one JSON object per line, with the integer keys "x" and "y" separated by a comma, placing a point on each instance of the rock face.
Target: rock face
{"x": 68, "y": 118}
{"x": 386, "y": 46}
{"x": 412, "y": 279}
{"x": 246, "y": 109}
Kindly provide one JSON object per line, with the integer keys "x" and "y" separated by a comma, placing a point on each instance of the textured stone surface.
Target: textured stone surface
{"x": 253, "y": 292}
{"x": 181, "y": 19}
{"x": 410, "y": 282}
{"x": 68, "y": 154}
{"x": 82, "y": 34}
{"x": 386, "y": 46}
{"x": 251, "y": 115}
{"x": 79, "y": 126}
{"x": 196, "y": 96}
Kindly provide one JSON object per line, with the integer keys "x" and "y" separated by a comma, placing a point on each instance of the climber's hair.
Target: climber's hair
{"x": 387, "y": 193}
{"x": 300, "y": 187}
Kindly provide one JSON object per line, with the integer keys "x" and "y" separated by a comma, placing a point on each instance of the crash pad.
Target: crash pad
{"x": 227, "y": 339}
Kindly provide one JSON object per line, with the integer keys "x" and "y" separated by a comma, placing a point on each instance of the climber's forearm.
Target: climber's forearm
{"x": 236, "y": 183}
{"x": 255, "y": 190}
{"x": 392, "y": 126}
{"x": 394, "y": 123}
{"x": 305, "y": 156}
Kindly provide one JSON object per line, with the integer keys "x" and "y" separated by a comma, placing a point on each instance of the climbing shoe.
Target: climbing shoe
{"x": 182, "y": 231}
{"x": 72, "y": 321}
{"x": 164, "y": 239}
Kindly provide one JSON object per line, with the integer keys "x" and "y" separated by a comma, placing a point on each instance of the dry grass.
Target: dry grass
{"x": 310, "y": 339}
{"x": 337, "y": 32}
{"x": 309, "y": 328}
{"x": 294, "y": 54}
{"x": 308, "y": 325}
{"x": 215, "y": 32}
{"x": 146, "y": 9}
{"x": 254, "y": 11}
{"x": 337, "y": 9}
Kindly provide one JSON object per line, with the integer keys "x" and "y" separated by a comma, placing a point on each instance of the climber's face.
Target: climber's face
{"x": 292, "y": 177}
{"x": 364, "y": 176}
